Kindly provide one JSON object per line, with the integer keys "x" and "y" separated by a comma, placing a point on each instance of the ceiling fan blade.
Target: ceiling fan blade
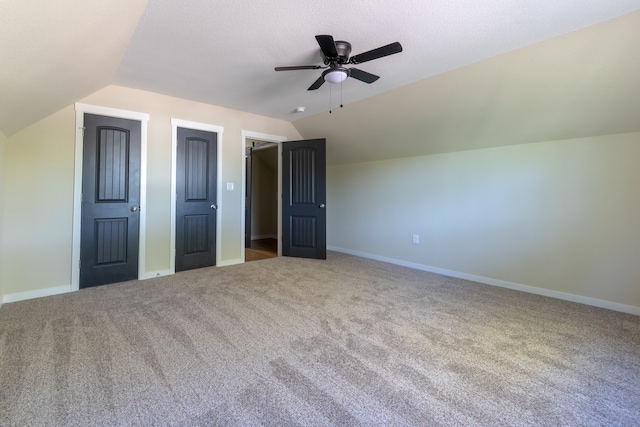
{"x": 317, "y": 83}
{"x": 389, "y": 49}
{"x": 363, "y": 76}
{"x": 299, "y": 67}
{"x": 328, "y": 46}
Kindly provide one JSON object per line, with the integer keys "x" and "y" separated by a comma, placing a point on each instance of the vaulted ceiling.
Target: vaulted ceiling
{"x": 472, "y": 73}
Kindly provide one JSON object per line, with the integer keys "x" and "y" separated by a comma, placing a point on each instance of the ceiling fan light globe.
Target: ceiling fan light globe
{"x": 335, "y": 76}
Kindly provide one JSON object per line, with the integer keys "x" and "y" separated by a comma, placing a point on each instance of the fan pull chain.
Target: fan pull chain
{"x": 330, "y": 99}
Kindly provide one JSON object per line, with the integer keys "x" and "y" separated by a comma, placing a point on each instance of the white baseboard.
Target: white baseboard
{"x": 21, "y": 296}
{"x": 230, "y": 262}
{"x": 501, "y": 283}
{"x": 152, "y": 274}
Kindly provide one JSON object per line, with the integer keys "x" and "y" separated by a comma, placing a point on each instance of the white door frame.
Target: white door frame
{"x": 143, "y": 118}
{"x": 268, "y": 138}
{"x": 219, "y": 130}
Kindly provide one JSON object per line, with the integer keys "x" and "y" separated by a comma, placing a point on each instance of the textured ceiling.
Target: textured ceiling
{"x": 223, "y": 52}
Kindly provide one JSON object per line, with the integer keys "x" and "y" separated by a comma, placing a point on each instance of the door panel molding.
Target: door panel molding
{"x": 143, "y": 118}
{"x": 219, "y": 130}
{"x": 249, "y": 135}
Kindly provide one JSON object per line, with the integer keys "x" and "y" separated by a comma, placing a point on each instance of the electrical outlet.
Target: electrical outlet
{"x": 416, "y": 239}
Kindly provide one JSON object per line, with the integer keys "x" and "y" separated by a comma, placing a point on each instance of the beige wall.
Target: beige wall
{"x": 3, "y": 140}
{"x": 559, "y": 215}
{"x": 40, "y": 166}
{"x": 39, "y": 205}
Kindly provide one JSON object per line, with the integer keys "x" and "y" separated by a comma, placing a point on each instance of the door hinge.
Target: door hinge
{"x": 79, "y": 263}
{"x": 83, "y": 128}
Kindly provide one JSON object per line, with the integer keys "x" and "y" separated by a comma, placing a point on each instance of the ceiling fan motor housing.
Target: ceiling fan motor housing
{"x": 344, "y": 50}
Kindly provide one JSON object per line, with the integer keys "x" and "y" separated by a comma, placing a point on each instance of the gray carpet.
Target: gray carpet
{"x": 284, "y": 341}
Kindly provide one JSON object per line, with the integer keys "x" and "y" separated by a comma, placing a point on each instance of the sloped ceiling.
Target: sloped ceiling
{"x": 56, "y": 52}
{"x": 454, "y": 80}
{"x": 585, "y": 83}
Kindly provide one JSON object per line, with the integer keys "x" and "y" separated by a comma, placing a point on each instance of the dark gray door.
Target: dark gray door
{"x": 196, "y": 175}
{"x": 110, "y": 201}
{"x": 304, "y": 219}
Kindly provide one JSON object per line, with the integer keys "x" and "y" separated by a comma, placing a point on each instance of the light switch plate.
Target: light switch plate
{"x": 229, "y": 186}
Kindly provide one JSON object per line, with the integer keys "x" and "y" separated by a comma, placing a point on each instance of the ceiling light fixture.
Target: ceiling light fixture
{"x": 335, "y": 75}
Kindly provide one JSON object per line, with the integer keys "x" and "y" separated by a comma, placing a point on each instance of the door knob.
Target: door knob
{"x": 134, "y": 208}
{"x": 214, "y": 207}
{"x": 321, "y": 206}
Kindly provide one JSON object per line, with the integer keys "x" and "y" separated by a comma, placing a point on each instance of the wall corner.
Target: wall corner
{"x": 3, "y": 142}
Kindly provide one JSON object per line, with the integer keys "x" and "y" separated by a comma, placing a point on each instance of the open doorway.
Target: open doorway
{"x": 261, "y": 200}
{"x": 303, "y": 232}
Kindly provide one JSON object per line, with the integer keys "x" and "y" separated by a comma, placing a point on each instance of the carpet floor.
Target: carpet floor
{"x": 296, "y": 342}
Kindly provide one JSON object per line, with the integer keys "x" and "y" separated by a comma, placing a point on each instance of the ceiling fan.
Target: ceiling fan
{"x": 336, "y": 56}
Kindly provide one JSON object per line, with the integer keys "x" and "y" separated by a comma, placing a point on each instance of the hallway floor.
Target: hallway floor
{"x": 261, "y": 249}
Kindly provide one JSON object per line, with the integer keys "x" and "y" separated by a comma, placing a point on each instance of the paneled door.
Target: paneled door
{"x": 304, "y": 216}
{"x": 110, "y": 201}
{"x": 196, "y": 196}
